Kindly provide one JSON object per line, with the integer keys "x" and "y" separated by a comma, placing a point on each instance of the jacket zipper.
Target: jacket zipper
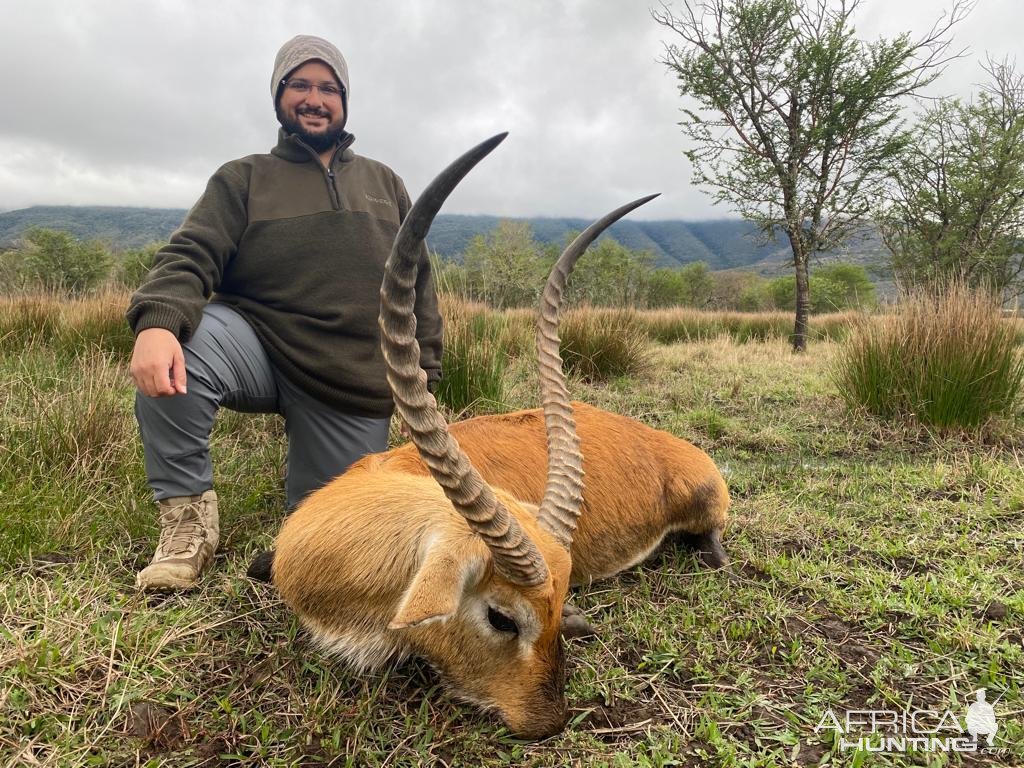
{"x": 335, "y": 200}
{"x": 328, "y": 173}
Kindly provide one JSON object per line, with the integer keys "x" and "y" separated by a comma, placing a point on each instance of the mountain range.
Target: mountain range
{"x": 721, "y": 243}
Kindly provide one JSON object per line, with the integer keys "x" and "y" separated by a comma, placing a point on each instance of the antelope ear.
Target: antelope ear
{"x": 438, "y": 587}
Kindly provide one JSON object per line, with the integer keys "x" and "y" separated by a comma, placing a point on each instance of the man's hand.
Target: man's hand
{"x": 158, "y": 364}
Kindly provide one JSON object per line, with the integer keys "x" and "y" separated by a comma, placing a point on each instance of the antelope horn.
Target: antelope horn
{"x": 564, "y": 491}
{"x": 515, "y": 556}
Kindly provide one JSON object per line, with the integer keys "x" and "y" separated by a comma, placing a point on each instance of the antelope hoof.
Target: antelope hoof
{"x": 261, "y": 567}
{"x": 575, "y": 624}
{"x": 709, "y": 549}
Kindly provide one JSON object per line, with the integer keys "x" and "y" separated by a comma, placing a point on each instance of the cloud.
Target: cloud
{"x": 116, "y": 103}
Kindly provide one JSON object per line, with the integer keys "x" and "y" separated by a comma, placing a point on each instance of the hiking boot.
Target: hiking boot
{"x": 189, "y": 532}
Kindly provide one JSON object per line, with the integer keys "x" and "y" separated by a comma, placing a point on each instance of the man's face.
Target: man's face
{"x": 317, "y": 118}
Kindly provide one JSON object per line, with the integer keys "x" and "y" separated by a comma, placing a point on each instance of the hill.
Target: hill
{"x": 119, "y": 227}
{"x": 722, "y": 243}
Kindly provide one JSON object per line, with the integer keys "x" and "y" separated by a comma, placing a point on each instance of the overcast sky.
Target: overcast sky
{"x": 108, "y": 102}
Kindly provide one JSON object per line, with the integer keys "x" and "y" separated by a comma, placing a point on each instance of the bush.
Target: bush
{"x": 506, "y": 268}
{"x": 740, "y": 291}
{"x": 690, "y": 286}
{"x": 609, "y": 275}
{"x": 945, "y": 357}
{"x": 603, "y": 344}
{"x": 58, "y": 261}
{"x": 134, "y": 265}
{"x": 833, "y": 287}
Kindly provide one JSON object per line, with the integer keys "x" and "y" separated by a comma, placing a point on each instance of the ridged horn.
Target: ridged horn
{"x": 515, "y": 555}
{"x": 563, "y": 494}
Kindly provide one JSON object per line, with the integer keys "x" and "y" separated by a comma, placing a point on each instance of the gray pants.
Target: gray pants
{"x": 226, "y": 366}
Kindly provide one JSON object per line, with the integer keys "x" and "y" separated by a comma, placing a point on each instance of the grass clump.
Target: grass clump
{"x": 67, "y": 325}
{"x": 603, "y": 344}
{"x": 27, "y": 319}
{"x": 477, "y": 345}
{"x": 944, "y": 356}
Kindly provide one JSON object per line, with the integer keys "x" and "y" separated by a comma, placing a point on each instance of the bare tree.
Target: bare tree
{"x": 796, "y": 117}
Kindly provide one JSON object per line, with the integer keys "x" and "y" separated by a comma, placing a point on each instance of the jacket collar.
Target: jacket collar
{"x": 293, "y": 149}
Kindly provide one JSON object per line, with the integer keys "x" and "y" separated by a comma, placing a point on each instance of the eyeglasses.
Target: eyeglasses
{"x": 327, "y": 90}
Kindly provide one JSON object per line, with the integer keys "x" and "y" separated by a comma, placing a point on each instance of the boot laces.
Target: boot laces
{"x": 181, "y": 529}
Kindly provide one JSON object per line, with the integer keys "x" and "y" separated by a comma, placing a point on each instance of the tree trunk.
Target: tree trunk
{"x": 803, "y": 294}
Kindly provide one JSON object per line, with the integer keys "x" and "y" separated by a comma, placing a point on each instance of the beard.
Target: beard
{"x": 320, "y": 141}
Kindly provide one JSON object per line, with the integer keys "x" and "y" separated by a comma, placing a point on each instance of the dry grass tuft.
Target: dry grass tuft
{"x": 603, "y": 344}
{"x": 670, "y": 326}
{"x": 66, "y": 325}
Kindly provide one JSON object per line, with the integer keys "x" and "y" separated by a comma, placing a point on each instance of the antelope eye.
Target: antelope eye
{"x": 501, "y": 622}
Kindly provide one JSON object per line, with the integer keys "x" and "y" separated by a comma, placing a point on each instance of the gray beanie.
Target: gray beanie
{"x": 303, "y": 48}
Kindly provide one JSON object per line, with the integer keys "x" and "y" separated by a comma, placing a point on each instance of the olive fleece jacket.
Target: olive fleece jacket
{"x": 298, "y": 250}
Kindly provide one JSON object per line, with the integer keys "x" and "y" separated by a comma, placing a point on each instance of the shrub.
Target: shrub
{"x": 690, "y": 285}
{"x": 603, "y": 344}
{"x": 609, "y": 275}
{"x": 945, "y": 357}
{"x": 506, "y": 267}
{"x": 134, "y": 265}
{"x": 740, "y": 291}
{"x": 58, "y": 261}
{"x": 833, "y": 287}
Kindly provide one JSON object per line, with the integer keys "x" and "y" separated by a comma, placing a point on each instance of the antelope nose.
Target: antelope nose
{"x": 543, "y": 726}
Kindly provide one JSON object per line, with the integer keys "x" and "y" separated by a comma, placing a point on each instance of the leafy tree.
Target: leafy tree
{"x": 957, "y": 207}
{"x": 12, "y": 277}
{"x": 58, "y": 261}
{"x": 741, "y": 291}
{"x": 134, "y": 264}
{"x": 783, "y": 292}
{"x": 833, "y": 287}
{"x": 842, "y": 286}
{"x": 690, "y": 286}
{"x": 610, "y": 274}
{"x": 506, "y": 267}
{"x": 804, "y": 117}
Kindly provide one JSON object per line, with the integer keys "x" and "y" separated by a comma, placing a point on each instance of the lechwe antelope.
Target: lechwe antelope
{"x": 382, "y": 563}
{"x": 642, "y": 484}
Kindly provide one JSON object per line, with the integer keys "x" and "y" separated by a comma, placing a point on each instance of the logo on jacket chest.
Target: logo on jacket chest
{"x": 381, "y": 200}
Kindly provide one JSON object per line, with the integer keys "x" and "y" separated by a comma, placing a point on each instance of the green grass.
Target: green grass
{"x": 876, "y": 565}
{"x": 944, "y": 357}
{"x": 476, "y": 353}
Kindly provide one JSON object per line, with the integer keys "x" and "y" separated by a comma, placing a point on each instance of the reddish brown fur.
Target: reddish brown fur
{"x": 379, "y": 565}
{"x": 639, "y": 485}
{"x": 368, "y": 560}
